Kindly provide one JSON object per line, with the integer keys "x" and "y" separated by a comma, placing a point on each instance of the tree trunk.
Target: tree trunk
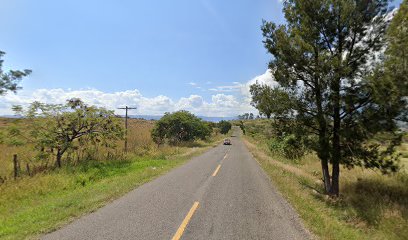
{"x": 323, "y": 150}
{"x": 326, "y": 175}
{"x": 336, "y": 151}
{"x": 323, "y": 154}
{"x": 336, "y": 101}
{"x": 334, "y": 191}
{"x": 59, "y": 156}
{"x": 336, "y": 148}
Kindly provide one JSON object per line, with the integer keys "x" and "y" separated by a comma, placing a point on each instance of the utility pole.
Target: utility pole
{"x": 126, "y": 123}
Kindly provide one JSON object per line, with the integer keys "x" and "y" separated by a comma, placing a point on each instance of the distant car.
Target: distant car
{"x": 227, "y": 141}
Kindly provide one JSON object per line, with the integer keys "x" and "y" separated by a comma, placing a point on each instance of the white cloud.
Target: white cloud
{"x": 192, "y": 102}
{"x": 223, "y": 100}
{"x": 245, "y": 95}
{"x": 231, "y": 88}
{"x": 220, "y": 105}
{"x": 226, "y": 101}
{"x": 155, "y": 105}
{"x": 266, "y": 78}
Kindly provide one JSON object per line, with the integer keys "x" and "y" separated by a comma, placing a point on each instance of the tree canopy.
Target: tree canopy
{"x": 224, "y": 126}
{"x": 262, "y": 99}
{"x": 56, "y": 128}
{"x": 180, "y": 126}
{"x": 270, "y": 100}
{"x": 323, "y": 55}
{"x": 9, "y": 79}
{"x": 396, "y": 61}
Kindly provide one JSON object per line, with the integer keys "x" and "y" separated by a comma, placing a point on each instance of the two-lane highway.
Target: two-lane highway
{"x": 222, "y": 194}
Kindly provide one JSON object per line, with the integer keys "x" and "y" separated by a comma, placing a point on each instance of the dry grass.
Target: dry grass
{"x": 371, "y": 205}
{"x": 403, "y": 149}
{"x": 31, "y": 206}
{"x": 140, "y": 143}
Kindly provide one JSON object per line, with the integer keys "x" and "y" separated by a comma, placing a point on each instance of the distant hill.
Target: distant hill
{"x": 210, "y": 119}
{"x": 151, "y": 117}
{"x": 10, "y": 116}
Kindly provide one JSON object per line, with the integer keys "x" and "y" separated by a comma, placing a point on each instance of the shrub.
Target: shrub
{"x": 293, "y": 147}
{"x": 224, "y": 126}
{"x": 177, "y": 127}
{"x": 275, "y": 146}
{"x": 290, "y": 146}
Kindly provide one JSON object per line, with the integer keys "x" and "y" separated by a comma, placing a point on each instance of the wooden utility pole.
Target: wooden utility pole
{"x": 126, "y": 123}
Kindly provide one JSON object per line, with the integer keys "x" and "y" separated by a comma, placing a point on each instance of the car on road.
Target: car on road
{"x": 227, "y": 141}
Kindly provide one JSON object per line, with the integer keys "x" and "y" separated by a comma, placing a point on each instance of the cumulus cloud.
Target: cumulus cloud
{"x": 192, "y": 102}
{"x": 155, "y": 105}
{"x": 220, "y": 104}
{"x": 226, "y": 100}
{"x": 266, "y": 78}
{"x": 223, "y": 100}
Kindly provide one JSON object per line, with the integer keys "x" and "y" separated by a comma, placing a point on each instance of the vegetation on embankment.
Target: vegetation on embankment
{"x": 31, "y": 206}
{"x": 328, "y": 94}
{"x": 370, "y": 206}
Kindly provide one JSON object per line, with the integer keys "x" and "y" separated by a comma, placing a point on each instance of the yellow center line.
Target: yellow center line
{"x": 183, "y": 225}
{"x": 216, "y": 170}
{"x": 225, "y": 155}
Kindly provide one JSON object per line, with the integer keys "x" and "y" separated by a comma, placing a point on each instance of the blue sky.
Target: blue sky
{"x": 156, "y": 55}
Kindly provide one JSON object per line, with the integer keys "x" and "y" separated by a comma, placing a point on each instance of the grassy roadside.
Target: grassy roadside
{"x": 33, "y": 206}
{"x": 374, "y": 207}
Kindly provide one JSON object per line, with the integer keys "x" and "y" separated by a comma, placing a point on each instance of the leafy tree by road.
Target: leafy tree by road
{"x": 9, "y": 80}
{"x": 242, "y": 126}
{"x": 323, "y": 54}
{"x": 177, "y": 127}
{"x": 56, "y": 128}
{"x": 396, "y": 61}
{"x": 224, "y": 126}
{"x": 270, "y": 100}
{"x": 262, "y": 99}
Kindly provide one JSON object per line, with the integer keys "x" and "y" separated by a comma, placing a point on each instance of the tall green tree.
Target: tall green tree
{"x": 323, "y": 54}
{"x": 396, "y": 60}
{"x": 9, "y": 79}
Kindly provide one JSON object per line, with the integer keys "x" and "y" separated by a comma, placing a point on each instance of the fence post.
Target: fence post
{"x": 15, "y": 166}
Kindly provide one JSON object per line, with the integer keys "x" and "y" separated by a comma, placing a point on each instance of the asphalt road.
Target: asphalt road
{"x": 222, "y": 194}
